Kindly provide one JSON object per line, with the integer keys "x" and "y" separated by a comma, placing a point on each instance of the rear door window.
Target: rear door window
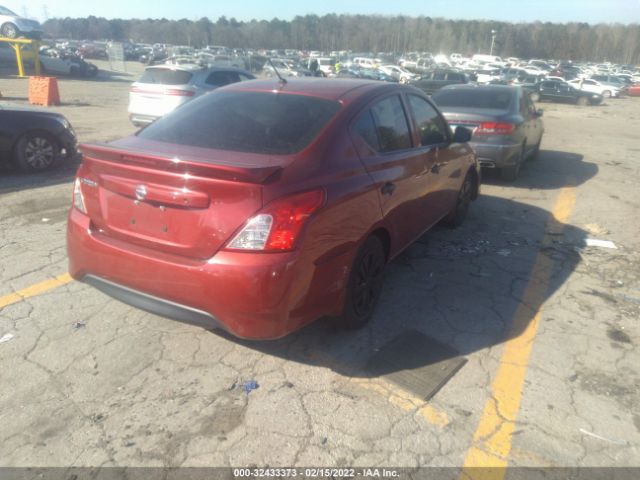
{"x": 165, "y": 76}
{"x": 431, "y": 127}
{"x": 220, "y": 79}
{"x": 391, "y": 124}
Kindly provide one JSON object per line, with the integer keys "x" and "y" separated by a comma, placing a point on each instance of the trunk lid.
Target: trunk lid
{"x": 179, "y": 200}
{"x": 464, "y": 118}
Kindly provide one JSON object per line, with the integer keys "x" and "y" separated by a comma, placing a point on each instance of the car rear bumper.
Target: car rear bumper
{"x": 254, "y": 296}
{"x": 496, "y": 155}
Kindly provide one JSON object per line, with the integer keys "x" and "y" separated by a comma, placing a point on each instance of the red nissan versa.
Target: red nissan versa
{"x": 264, "y": 205}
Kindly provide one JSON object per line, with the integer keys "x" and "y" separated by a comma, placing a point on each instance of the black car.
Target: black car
{"x": 34, "y": 140}
{"x": 436, "y": 79}
{"x": 557, "y": 91}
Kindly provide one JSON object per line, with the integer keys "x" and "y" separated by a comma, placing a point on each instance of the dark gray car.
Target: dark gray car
{"x": 506, "y": 125}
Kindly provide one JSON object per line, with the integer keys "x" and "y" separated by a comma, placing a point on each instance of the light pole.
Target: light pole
{"x": 493, "y": 40}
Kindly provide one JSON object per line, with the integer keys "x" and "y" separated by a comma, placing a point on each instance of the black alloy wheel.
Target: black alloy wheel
{"x": 36, "y": 152}
{"x": 365, "y": 284}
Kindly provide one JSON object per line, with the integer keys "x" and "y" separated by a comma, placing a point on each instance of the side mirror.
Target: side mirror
{"x": 462, "y": 135}
{"x": 539, "y": 112}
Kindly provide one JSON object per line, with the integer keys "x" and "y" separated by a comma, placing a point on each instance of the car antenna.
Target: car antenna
{"x": 282, "y": 80}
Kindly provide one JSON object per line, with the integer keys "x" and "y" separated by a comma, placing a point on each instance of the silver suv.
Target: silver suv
{"x": 14, "y": 26}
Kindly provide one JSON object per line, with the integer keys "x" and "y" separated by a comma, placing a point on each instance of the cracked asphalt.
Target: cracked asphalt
{"x": 89, "y": 381}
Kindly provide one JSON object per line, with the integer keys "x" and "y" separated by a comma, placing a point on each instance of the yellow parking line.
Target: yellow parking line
{"x": 34, "y": 290}
{"x": 404, "y": 400}
{"x": 493, "y": 436}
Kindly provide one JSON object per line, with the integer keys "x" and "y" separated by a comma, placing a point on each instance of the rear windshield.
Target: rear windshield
{"x": 475, "y": 98}
{"x": 165, "y": 76}
{"x": 252, "y": 122}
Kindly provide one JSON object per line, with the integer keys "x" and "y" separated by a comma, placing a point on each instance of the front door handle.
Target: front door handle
{"x": 388, "y": 188}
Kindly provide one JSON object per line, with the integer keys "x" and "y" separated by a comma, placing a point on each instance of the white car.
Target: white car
{"x": 163, "y": 88}
{"x": 399, "y": 73}
{"x": 14, "y": 26}
{"x": 594, "y": 86}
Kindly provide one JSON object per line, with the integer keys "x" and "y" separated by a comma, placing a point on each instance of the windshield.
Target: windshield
{"x": 253, "y": 122}
{"x": 6, "y": 11}
{"x": 495, "y": 99}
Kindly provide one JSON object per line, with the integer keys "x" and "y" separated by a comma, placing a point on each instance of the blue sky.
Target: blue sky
{"x": 591, "y": 11}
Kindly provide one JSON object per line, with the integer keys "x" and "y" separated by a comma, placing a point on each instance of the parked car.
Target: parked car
{"x": 507, "y": 128}
{"x": 13, "y": 25}
{"x": 594, "y": 86}
{"x": 436, "y": 79}
{"x": 163, "y": 88}
{"x": 60, "y": 62}
{"x": 557, "y": 91}
{"x": 400, "y": 74}
{"x": 34, "y": 140}
{"x": 634, "y": 90}
{"x": 259, "y": 208}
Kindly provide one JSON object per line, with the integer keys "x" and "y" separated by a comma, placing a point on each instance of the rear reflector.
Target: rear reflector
{"x": 78, "y": 199}
{"x": 277, "y": 227}
{"x": 494, "y": 128}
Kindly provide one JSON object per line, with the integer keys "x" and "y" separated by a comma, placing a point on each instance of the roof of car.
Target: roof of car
{"x": 329, "y": 89}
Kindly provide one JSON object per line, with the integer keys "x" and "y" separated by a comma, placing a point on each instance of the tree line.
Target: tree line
{"x": 371, "y": 33}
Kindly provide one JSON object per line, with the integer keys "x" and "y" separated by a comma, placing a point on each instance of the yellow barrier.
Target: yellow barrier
{"x": 18, "y": 44}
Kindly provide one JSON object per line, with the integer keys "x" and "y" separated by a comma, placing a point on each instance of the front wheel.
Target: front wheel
{"x": 35, "y": 152}
{"x": 365, "y": 284}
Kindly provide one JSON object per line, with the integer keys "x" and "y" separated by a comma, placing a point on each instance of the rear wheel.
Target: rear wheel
{"x": 9, "y": 30}
{"x": 536, "y": 151}
{"x": 36, "y": 151}
{"x": 456, "y": 217}
{"x": 365, "y": 284}
{"x": 510, "y": 173}
{"x": 582, "y": 101}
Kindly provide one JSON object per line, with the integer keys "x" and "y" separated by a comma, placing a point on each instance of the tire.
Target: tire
{"x": 510, "y": 173}
{"x": 365, "y": 284}
{"x": 36, "y": 152}
{"x": 606, "y": 94}
{"x": 536, "y": 152}
{"x": 582, "y": 101}
{"x": 535, "y": 97}
{"x": 456, "y": 217}
{"x": 9, "y": 30}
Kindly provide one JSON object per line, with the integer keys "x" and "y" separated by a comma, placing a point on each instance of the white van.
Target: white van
{"x": 365, "y": 62}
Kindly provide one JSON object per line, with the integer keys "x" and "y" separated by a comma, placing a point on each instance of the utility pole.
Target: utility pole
{"x": 493, "y": 41}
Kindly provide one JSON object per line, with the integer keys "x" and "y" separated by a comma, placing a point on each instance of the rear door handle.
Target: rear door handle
{"x": 388, "y": 188}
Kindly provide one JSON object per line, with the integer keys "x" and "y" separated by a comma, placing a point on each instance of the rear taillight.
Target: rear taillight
{"x": 78, "y": 199}
{"x": 277, "y": 227}
{"x": 494, "y": 128}
{"x": 175, "y": 92}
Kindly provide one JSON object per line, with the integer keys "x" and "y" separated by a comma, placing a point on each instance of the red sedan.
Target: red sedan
{"x": 265, "y": 205}
{"x": 634, "y": 90}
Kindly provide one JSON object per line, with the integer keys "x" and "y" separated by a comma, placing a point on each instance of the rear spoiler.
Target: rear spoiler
{"x": 197, "y": 168}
